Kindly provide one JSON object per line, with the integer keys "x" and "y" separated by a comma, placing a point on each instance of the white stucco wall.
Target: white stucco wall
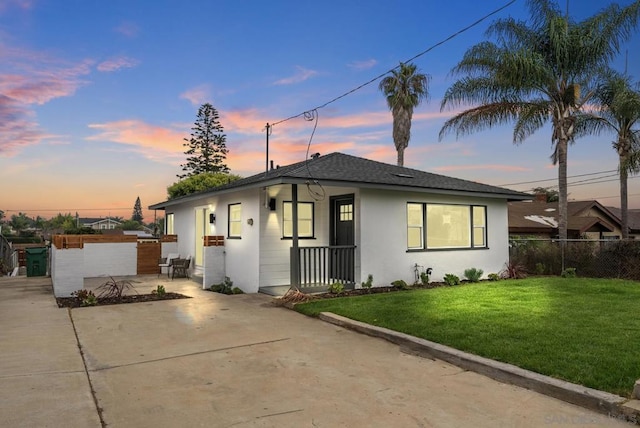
{"x": 274, "y": 250}
{"x": 383, "y": 244}
{"x": 67, "y": 267}
{"x": 110, "y": 259}
{"x": 241, "y": 255}
{"x": 261, "y": 256}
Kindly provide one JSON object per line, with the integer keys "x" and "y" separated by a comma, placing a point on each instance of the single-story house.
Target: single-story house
{"x": 99, "y": 223}
{"x": 355, "y": 217}
{"x": 585, "y": 219}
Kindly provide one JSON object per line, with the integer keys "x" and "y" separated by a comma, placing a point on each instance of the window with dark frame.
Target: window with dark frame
{"x": 235, "y": 221}
{"x": 443, "y": 226}
{"x": 306, "y": 227}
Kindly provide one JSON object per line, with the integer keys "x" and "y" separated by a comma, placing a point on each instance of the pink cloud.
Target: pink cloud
{"x": 198, "y": 95}
{"x": 31, "y": 78}
{"x": 301, "y": 75}
{"x": 152, "y": 141}
{"x": 17, "y": 127}
{"x": 115, "y": 64}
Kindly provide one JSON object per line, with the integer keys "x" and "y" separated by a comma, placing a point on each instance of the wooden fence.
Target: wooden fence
{"x": 78, "y": 241}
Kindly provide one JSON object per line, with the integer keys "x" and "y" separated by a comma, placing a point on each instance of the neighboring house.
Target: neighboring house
{"x": 99, "y": 223}
{"x": 586, "y": 219}
{"x": 355, "y": 217}
{"x": 634, "y": 220}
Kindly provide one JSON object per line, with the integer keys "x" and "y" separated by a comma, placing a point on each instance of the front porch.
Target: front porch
{"x": 314, "y": 269}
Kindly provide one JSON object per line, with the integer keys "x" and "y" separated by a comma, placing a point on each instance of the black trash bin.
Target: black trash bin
{"x": 36, "y": 261}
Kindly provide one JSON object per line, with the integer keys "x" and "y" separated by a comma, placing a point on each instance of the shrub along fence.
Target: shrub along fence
{"x": 590, "y": 258}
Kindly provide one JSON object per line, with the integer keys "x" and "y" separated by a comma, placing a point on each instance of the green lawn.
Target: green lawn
{"x": 582, "y": 330}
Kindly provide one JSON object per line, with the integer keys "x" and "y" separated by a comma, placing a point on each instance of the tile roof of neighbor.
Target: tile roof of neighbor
{"x": 340, "y": 168}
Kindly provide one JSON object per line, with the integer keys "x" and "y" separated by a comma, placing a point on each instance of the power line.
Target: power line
{"x": 457, "y": 33}
{"x": 555, "y": 178}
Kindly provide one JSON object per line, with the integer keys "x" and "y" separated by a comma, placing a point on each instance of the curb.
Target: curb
{"x": 593, "y": 399}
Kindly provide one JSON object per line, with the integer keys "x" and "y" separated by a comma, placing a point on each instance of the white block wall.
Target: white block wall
{"x": 67, "y": 271}
{"x": 213, "y": 271}
{"x": 110, "y": 259}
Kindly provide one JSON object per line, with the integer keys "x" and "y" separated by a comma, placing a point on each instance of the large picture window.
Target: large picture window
{"x": 440, "y": 226}
{"x": 235, "y": 220}
{"x": 305, "y": 220}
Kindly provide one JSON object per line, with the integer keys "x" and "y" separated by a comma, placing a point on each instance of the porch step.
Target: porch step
{"x": 278, "y": 290}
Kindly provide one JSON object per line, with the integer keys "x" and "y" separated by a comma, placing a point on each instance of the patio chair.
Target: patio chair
{"x": 181, "y": 268}
{"x": 166, "y": 262}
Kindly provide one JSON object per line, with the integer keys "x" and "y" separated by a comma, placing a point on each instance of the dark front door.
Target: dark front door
{"x": 342, "y": 234}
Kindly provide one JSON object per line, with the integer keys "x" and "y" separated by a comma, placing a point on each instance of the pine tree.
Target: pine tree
{"x": 137, "y": 211}
{"x": 207, "y": 150}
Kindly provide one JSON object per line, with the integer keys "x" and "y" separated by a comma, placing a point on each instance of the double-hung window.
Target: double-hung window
{"x": 235, "y": 220}
{"x": 305, "y": 220}
{"x": 441, "y": 226}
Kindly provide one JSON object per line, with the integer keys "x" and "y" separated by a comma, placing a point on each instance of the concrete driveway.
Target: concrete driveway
{"x": 232, "y": 361}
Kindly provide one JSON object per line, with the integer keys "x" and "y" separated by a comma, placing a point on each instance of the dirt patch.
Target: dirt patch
{"x": 73, "y": 302}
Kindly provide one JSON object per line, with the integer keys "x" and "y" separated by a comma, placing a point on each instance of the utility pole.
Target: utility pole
{"x": 266, "y": 165}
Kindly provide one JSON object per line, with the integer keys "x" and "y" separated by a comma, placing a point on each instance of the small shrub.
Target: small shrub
{"x": 424, "y": 277}
{"x": 113, "y": 289}
{"x": 368, "y": 283}
{"x": 514, "y": 270}
{"x": 540, "y": 268}
{"x": 400, "y": 284}
{"x": 473, "y": 274}
{"x": 493, "y": 277}
{"x": 225, "y": 287}
{"x": 236, "y": 290}
{"x": 159, "y": 291}
{"x": 451, "y": 279}
{"x": 568, "y": 273}
{"x": 336, "y": 288}
{"x": 85, "y": 297}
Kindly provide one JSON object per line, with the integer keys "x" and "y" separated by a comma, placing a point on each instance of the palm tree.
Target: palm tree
{"x": 618, "y": 102}
{"x": 404, "y": 89}
{"x": 540, "y": 71}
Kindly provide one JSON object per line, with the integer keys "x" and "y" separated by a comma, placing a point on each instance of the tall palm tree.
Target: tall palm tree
{"x": 539, "y": 71}
{"x": 404, "y": 89}
{"x": 618, "y": 110}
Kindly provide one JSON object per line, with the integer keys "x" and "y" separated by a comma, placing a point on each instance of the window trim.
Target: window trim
{"x": 230, "y": 221}
{"x": 472, "y": 228}
{"x": 313, "y": 220}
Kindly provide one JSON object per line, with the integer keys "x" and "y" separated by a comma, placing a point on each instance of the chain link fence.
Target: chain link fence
{"x": 590, "y": 258}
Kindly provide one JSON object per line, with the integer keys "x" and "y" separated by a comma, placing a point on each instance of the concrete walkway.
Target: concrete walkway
{"x": 233, "y": 361}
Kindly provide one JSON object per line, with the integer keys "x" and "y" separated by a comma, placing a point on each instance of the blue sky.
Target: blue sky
{"x": 96, "y": 97}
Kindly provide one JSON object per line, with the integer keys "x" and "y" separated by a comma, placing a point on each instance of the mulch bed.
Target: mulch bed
{"x": 293, "y": 296}
{"x": 73, "y": 302}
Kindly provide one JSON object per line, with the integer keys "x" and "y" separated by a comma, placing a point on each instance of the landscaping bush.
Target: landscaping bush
{"x": 336, "y": 288}
{"x": 451, "y": 279}
{"x": 473, "y": 274}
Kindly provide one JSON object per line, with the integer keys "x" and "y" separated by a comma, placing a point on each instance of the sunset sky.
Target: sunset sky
{"x": 96, "y": 97}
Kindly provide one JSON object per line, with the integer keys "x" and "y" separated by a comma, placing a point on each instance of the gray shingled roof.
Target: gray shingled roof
{"x": 348, "y": 170}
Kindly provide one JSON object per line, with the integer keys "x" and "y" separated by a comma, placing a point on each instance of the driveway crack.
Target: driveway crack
{"x": 86, "y": 371}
